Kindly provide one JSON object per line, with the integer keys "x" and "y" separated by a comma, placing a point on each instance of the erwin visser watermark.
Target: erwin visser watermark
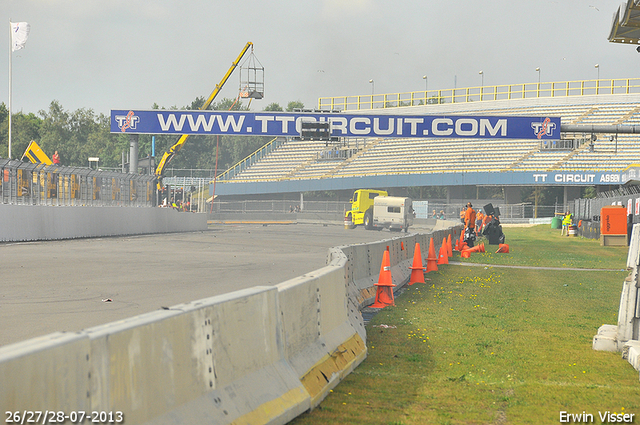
{"x": 606, "y": 416}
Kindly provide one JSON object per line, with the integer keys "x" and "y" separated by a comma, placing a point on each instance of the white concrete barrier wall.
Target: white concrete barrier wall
{"x": 35, "y": 222}
{"x": 46, "y": 373}
{"x": 625, "y": 336}
{"x": 257, "y": 356}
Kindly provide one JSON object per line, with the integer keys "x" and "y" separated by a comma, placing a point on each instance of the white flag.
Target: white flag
{"x": 19, "y": 35}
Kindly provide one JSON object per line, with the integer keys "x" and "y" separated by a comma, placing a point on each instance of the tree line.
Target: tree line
{"x": 78, "y": 135}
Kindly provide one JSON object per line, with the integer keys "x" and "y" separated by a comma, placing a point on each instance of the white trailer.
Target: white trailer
{"x": 393, "y": 213}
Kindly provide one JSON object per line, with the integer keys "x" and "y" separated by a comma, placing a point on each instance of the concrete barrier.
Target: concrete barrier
{"x": 624, "y": 337}
{"x": 262, "y": 355}
{"x": 34, "y": 222}
{"x": 46, "y": 373}
{"x": 216, "y": 360}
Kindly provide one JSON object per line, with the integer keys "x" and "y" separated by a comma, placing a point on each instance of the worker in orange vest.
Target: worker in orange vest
{"x": 479, "y": 218}
{"x": 469, "y": 225}
{"x": 487, "y": 219}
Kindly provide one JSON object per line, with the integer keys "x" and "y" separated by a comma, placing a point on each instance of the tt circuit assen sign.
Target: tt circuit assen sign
{"x": 341, "y": 125}
{"x": 589, "y": 179}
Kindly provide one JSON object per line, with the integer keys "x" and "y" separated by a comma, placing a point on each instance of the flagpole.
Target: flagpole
{"x": 10, "y": 81}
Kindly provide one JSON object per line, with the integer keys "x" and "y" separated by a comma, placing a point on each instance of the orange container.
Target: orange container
{"x": 613, "y": 220}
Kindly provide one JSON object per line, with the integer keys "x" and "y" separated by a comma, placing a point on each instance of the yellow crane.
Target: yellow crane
{"x": 173, "y": 150}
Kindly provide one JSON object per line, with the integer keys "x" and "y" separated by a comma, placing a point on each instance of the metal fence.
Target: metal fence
{"x": 279, "y": 206}
{"x": 39, "y": 184}
{"x": 626, "y": 196}
{"x": 508, "y": 212}
{"x": 482, "y": 93}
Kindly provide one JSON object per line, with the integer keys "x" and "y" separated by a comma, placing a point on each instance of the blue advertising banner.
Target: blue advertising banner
{"x": 510, "y": 178}
{"x": 341, "y": 125}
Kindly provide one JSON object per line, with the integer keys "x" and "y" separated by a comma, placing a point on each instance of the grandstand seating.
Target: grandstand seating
{"x": 301, "y": 159}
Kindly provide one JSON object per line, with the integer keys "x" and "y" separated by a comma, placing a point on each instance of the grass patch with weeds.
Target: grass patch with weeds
{"x": 480, "y": 345}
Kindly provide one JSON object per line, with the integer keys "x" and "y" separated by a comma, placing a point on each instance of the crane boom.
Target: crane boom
{"x": 173, "y": 150}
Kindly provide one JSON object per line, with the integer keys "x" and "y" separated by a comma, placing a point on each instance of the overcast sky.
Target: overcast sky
{"x": 130, "y": 54}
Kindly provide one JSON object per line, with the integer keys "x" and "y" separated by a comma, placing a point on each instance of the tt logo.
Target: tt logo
{"x": 127, "y": 121}
{"x": 544, "y": 128}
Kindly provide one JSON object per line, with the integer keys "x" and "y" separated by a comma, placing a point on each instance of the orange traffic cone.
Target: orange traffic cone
{"x": 384, "y": 293}
{"x": 460, "y": 242}
{"x": 449, "y": 249}
{"x": 432, "y": 260}
{"x": 401, "y": 246}
{"x": 477, "y": 248}
{"x": 417, "y": 269}
{"x": 443, "y": 257}
{"x": 503, "y": 248}
{"x": 465, "y": 254}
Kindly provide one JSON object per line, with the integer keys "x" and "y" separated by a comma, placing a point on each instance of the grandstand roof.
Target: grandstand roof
{"x": 625, "y": 27}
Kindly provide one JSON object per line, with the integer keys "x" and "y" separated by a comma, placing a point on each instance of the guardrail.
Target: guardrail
{"x": 251, "y": 159}
{"x": 39, "y": 184}
{"x": 261, "y": 355}
{"x": 482, "y": 93}
{"x": 186, "y": 182}
{"x": 523, "y": 211}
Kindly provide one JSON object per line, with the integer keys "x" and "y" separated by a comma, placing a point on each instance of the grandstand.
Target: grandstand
{"x": 297, "y": 165}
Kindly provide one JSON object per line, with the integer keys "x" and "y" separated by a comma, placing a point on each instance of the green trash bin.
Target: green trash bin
{"x": 556, "y": 223}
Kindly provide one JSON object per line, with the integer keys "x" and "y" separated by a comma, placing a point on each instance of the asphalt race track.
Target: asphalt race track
{"x": 60, "y": 285}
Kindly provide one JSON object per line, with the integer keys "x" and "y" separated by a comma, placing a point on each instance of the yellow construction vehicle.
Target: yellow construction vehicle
{"x": 35, "y": 154}
{"x": 375, "y": 209}
{"x": 171, "y": 153}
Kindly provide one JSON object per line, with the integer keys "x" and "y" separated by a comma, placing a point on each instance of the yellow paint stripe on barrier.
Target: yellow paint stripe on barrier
{"x": 320, "y": 378}
{"x": 366, "y": 294}
{"x": 273, "y": 409}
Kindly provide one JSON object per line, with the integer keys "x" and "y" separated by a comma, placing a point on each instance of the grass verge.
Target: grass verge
{"x": 484, "y": 345}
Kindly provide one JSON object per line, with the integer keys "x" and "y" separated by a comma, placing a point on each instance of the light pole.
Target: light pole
{"x": 372, "y": 90}
{"x": 426, "y": 88}
{"x": 597, "y": 66}
{"x": 481, "y": 84}
{"x": 538, "y": 91}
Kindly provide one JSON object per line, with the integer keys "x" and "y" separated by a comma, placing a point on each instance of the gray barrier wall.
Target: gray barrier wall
{"x": 34, "y": 222}
{"x": 261, "y": 355}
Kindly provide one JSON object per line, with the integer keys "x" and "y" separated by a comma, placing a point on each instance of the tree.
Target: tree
{"x": 55, "y": 131}
{"x": 79, "y": 135}
{"x": 427, "y": 192}
{"x": 542, "y": 195}
{"x": 294, "y": 104}
{"x": 589, "y": 192}
{"x": 4, "y": 129}
{"x": 227, "y": 104}
{"x": 273, "y": 107}
{"x": 197, "y": 103}
{"x": 25, "y": 128}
